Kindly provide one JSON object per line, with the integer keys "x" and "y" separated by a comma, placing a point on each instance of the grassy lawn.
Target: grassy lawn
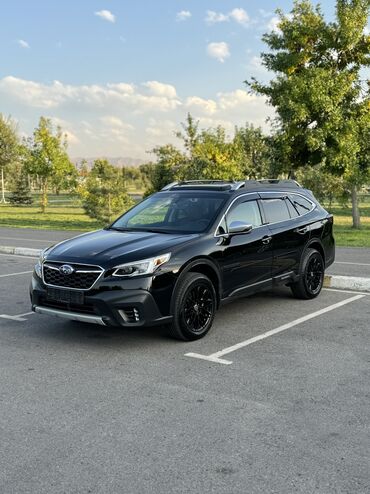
{"x": 344, "y": 233}
{"x": 65, "y": 213}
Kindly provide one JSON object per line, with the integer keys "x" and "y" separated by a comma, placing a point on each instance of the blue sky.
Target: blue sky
{"x": 120, "y": 76}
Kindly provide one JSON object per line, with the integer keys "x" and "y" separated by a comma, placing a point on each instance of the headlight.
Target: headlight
{"x": 38, "y": 265}
{"x": 146, "y": 266}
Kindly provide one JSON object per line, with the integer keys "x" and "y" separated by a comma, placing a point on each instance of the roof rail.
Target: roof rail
{"x": 272, "y": 182}
{"x": 224, "y": 184}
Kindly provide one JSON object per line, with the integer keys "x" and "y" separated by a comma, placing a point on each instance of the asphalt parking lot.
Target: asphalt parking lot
{"x": 91, "y": 409}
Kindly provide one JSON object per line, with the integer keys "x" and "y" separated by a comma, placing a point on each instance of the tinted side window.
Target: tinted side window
{"x": 301, "y": 204}
{"x": 292, "y": 210}
{"x": 246, "y": 211}
{"x": 276, "y": 210}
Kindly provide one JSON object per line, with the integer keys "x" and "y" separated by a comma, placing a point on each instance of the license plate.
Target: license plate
{"x": 65, "y": 296}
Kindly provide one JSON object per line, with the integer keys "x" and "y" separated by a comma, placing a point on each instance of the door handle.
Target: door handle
{"x": 302, "y": 230}
{"x": 266, "y": 240}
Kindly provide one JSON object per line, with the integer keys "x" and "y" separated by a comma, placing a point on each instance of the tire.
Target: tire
{"x": 311, "y": 276}
{"x": 194, "y": 307}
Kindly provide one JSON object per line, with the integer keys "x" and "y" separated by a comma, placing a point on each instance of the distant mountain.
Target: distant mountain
{"x": 119, "y": 162}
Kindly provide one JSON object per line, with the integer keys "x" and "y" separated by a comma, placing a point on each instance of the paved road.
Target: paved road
{"x": 91, "y": 409}
{"x": 349, "y": 261}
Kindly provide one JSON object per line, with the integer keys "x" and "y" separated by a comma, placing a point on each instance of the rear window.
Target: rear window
{"x": 275, "y": 210}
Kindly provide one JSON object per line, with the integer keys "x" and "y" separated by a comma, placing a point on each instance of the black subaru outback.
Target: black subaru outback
{"x": 175, "y": 257}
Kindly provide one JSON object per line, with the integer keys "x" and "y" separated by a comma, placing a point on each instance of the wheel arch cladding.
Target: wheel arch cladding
{"x": 206, "y": 267}
{"x": 316, "y": 244}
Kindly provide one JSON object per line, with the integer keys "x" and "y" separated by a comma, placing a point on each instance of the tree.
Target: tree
{"x": 214, "y": 157}
{"x": 21, "y": 194}
{"x": 9, "y": 147}
{"x": 254, "y": 149}
{"x": 317, "y": 90}
{"x": 103, "y": 194}
{"x": 165, "y": 170}
{"x": 48, "y": 159}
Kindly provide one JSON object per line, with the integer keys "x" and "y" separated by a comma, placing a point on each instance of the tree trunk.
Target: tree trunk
{"x": 44, "y": 197}
{"x": 2, "y": 187}
{"x": 356, "y": 221}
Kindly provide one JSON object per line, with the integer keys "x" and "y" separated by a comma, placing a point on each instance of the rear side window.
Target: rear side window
{"x": 292, "y": 210}
{"x": 246, "y": 211}
{"x": 275, "y": 210}
{"x": 301, "y": 204}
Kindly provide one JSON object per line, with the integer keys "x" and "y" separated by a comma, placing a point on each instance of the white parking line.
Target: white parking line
{"x": 18, "y": 255}
{"x": 354, "y": 263}
{"x": 19, "y": 317}
{"x": 14, "y": 274}
{"x": 215, "y": 357}
{"x": 27, "y": 239}
{"x": 351, "y": 292}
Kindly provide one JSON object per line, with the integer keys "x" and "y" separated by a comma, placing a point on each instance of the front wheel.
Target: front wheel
{"x": 194, "y": 307}
{"x": 311, "y": 278}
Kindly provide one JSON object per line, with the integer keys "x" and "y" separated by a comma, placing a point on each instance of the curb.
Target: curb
{"x": 20, "y": 251}
{"x": 354, "y": 283}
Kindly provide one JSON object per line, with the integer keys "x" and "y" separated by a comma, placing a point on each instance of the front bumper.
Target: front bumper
{"x": 126, "y": 307}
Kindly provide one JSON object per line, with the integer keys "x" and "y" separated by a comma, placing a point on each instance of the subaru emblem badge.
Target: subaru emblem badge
{"x": 66, "y": 269}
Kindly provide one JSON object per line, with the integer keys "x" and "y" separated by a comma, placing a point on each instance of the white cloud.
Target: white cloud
{"x": 214, "y": 17}
{"x": 114, "y": 122}
{"x": 273, "y": 24}
{"x": 121, "y": 119}
{"x": 183, "y": 15}
{"x": 159, "y": 89}
{"x": 161, "y": 97}
{"x": 208, "y": 106}
{"x": 220, "y": 51}
{"x": 23, "y": 44}
{"x": 238, "y": 15}
{"x": 106, "y": 15}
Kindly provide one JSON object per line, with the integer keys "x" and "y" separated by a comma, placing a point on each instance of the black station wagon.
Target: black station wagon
{"x": 175, "y": 257}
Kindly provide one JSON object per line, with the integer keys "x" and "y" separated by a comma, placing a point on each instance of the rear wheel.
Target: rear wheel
{"x": 311, "y": 278}
{"x": 194, "y": 307}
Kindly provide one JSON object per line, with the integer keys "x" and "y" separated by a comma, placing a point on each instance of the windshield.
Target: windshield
{"x": 175, "y": 212}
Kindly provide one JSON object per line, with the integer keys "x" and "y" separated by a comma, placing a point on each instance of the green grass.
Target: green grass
{"x": 65, "y": 213}
{"x": 345, "y": 235}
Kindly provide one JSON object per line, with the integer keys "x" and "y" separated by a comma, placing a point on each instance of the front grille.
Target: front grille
{"x": 83, "y": 276}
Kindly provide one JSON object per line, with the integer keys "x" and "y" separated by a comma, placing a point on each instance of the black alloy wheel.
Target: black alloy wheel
{"x": 198, "y": 307}
{"x": 314, "y": 274}
{"x": 311, "y": 275}
{"x": 194, "y": 307}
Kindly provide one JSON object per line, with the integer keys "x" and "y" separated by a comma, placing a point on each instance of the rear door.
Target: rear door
{"x": 289, "y": 231}
{"x": 246, "y": 258}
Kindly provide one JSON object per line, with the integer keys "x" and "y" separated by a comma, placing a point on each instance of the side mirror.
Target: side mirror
{"x": 236, "y": 227}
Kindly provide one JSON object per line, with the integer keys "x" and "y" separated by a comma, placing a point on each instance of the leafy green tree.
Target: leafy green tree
{"x": 48, "y": 160}
{"x": 214, "y": 157}
{"x": 21, "y": 193}
{"x": 317, "y": 91}
{"x": 103, "y": 194}
{"x": 9, "y": 149}
{"x": 167, "y": 168}
{"x": 253, "y": 147}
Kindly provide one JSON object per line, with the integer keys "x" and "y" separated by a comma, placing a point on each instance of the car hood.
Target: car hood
{"x": 108, "y": 248}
